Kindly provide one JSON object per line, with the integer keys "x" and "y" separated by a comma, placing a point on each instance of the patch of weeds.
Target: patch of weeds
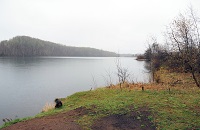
{"x": 142, "y": 126}
{"x": 150, "y": 118}
{"x": 14, "y": 122}
{"x": 138, "y": 118}
{"x": 86, "y": 121}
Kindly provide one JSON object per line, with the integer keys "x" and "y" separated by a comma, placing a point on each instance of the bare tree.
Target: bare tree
{"x": 183, "y": 34}
{"x": 151, "y": 54}
{"x": 156, "y": 56}
{"x": 122, "y": 73}
{"x": 94, "y": 83}
{"x": 108, "y": 79}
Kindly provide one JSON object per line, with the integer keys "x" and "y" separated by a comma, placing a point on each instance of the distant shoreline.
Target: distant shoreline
{"x": 141, "y": 59}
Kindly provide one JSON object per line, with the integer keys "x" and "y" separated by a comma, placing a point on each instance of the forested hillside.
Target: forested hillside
{"x": 26, "y": 46}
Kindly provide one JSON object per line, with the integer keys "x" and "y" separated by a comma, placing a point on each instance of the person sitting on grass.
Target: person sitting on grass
{"x": 58, "y": 103}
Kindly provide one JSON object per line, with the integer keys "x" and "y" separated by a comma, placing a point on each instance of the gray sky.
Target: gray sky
{"x": 115, "y": 25}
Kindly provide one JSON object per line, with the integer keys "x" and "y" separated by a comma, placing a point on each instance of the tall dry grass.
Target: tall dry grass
{"x": 48, "y": 106}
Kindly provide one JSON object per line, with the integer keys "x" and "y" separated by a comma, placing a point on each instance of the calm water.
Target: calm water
{"x": 27, "y": 84}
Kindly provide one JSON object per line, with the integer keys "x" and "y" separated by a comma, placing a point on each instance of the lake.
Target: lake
{"x": 27, "y": 84}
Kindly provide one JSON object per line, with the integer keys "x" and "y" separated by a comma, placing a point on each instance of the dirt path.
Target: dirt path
{"x": 136, "y": 120}
{"x": 61, "y": 121}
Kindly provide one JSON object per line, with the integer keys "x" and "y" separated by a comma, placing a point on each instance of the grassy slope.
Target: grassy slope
{"x": 177, "y": 109}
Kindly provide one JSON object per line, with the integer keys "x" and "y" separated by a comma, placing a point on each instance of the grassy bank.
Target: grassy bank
{"x": 178, "y": 108}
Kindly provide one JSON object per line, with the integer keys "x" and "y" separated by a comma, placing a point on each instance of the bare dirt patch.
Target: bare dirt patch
{"x": 136, "y": 120}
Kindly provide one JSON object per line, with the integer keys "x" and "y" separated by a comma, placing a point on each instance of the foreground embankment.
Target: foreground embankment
{"x": 112, "y": 108}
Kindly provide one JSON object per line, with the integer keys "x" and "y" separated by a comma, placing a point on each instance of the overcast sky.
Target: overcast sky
{"x": 115, "y": 25}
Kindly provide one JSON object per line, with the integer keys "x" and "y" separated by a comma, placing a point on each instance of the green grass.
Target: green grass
{"x": 15, "y": 121}
{"x": 179, "y": 109}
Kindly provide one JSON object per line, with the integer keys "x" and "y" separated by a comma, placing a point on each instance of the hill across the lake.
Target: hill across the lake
{"x": 22, "y": 46}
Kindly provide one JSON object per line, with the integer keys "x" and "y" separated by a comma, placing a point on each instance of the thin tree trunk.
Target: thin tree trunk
{"x": 195, "y": 79}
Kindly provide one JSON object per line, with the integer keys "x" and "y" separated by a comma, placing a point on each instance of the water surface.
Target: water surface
{"x": 27, "y": 84}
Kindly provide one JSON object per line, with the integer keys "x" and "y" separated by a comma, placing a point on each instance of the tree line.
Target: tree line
{"x": 23, "y": 46}
{"x": 181, "y": 52}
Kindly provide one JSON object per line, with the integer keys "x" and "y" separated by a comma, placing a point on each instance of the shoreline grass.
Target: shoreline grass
{"x": 178, "y": 109}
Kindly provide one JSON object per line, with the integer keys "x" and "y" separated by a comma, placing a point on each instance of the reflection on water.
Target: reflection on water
{"x": 26, "y": 84}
